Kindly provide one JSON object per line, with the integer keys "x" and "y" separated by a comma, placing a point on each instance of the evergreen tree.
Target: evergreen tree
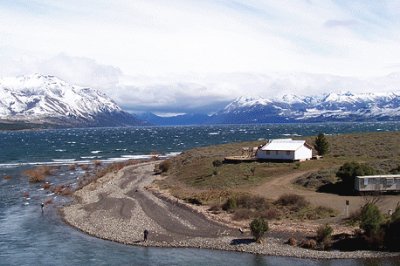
{"x": 258, "y": 228}
{"x": 321, "y": 144}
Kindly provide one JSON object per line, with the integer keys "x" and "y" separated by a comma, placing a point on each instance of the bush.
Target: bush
{"x": 217, "y": 163}
{"x": 309, "y": 243}
{"x": 392, "y": 232}
{"x": 370, "y": 219}
{"x": 164, "y": 166}
{"x": 294, "y": 201}
{"x": 348, "y": 172}
{"x": 252, "y": 202}
{"x": 321, "y": 144}
{"x": 194, "y": 201}
{"x": 258, "y": 228}
{"x": 38, "y": 174}
{"x": 242, "y": 214}
{"x": 230, "y": 204}
{"x": 271, "y": 213}
{"x": 324, "y": 233}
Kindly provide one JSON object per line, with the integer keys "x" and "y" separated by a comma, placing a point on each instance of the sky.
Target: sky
{"x": 181, "y": 56}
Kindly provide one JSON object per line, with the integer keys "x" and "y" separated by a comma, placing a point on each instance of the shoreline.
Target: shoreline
{"x": 120, "y": 205}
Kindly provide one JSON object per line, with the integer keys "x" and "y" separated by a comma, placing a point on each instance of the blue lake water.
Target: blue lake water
{"x": 28, "y": 237}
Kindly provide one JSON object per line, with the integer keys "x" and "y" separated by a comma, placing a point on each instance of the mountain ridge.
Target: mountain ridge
{"x": 48, "y": 100}
{"x": 291, "y": 108}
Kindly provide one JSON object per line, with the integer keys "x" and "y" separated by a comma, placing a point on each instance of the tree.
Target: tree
{"x": 348, "y": 172}
{"x": 321, "y": 144}
{"x": 370, "y": 219}
{"x": 258, "y": 228}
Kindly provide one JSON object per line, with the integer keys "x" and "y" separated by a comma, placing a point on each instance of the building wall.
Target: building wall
{"x": 377, "y": 184}
{"x": 302, "y": 154}
{"x": 275, "y": 155}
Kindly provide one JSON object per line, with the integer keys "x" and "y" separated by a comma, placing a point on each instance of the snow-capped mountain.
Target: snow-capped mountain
{"x": 329, "y": 107}
{"x": 44, "y": 99}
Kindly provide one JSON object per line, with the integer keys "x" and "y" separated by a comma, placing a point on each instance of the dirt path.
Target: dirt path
{"x": 284, "y": 184}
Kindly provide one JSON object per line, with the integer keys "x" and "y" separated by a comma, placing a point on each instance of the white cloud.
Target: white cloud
{"x": 186, "y": 54}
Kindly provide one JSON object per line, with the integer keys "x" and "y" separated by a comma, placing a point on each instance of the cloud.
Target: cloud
{"x": 81, "y": 71}
{"x": 333, "y": 23}
{"x": 183, "y": 55}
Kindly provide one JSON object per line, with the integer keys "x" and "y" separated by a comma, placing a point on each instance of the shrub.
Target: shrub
{"x": 215, "y": 209}
{"x": 164, "y": 166}
{"x": 271, "y": 213}
{"x": 321, "y": 144}
{"x": 252, "y": 202}
{"x": 230, "y": 204}
{"x": 72, "y": 167}
{"x": 37, "y": 174}
{"x": 309, "y": 243}
{"x": 392, "y": 231}
{"x": 217, "y": 163}
{"x": 370, "y": 219}
{"x": 242, "y": 214}
{"x": 97, "y": 163}
{"x": 348, "y": 172}
{"x": 323, "y": 212}
{"x": 258, "y": 228}
{"x": 292, "y": 241}
{"x": 294, "y": 201}
{"x": 324, "y": 233}
{"x": 194, "y": 201}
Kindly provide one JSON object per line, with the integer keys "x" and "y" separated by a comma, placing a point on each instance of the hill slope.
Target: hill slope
{"x": 51, "y": 102}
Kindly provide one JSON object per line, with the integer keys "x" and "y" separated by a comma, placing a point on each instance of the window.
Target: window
{"x": 267, "y": 152}
{"x": 276, "y": 152}
{"x": 287, "y": 152}
{"x": 365, "y": 181}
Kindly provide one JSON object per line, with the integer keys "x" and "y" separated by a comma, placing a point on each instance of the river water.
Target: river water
{"x": 30, "y": 237}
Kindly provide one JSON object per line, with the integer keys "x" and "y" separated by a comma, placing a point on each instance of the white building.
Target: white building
{"x": 285, "y": 150}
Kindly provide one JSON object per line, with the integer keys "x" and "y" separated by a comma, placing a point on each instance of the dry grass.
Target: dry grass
{"x": 38, "y": 174}
{"x": 193, "y": 171}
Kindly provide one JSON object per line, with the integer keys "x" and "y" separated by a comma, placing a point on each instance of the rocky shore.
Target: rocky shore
{"x": 119, "y": 207}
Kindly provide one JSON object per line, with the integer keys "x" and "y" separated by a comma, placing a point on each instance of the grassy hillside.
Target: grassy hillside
{"x": 192, "y": 173}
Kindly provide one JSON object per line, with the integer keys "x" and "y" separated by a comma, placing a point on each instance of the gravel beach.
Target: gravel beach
{"x": 119, "y": 207}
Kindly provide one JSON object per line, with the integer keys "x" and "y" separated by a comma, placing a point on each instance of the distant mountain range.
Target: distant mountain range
{"x": 45, "y": 101}
{"x": 332, "y": 107}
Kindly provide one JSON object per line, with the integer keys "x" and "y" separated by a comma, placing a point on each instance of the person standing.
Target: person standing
{"x": 145, "y": 234}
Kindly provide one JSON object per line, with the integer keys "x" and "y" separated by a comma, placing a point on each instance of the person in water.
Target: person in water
{"x": 42, "y": 206}
{"x": 145, "y": 234}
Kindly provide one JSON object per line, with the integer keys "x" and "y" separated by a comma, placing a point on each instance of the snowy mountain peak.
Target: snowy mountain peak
{"x": 39, "y": 97}
{"x": 343, "y": 106}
